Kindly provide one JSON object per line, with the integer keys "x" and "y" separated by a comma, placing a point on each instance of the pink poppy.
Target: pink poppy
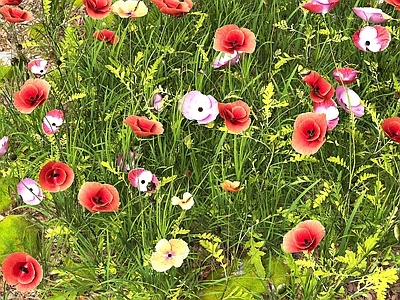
{"x": 3, "y": 145}
{"x": 22, "y": 270}
{"x": 304, "y": 237}
{"x": 29, "y": 191}
{"x": 224, "y": 59}
{"x": 231, "y": 38}
{"x": 158, "y": 102}
{"x": 350, "y": 101}
{"x": 143, "y": 180}
{"x": 52, "y": 121}
{"x": 38, "y": 67}
{"x": 371, "y": 14}
{"x": 329, "y": 108}
{"x": 196, "y": 106}
{"x": 345, "y": 75}
{"x": 309, "y": 133}
{"x": 372, "y": 39}
{"x": 320, "y": 6}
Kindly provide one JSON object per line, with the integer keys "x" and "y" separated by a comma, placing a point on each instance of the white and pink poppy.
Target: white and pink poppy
{"x": 329, "y": 108}
{"x": 345, "y": 75}
{"x": 38, "y": 67}
{"x": 3, "y": 145}
{"x": 143, "y": 180}
{"x": 196, "y": 106}
{"x": 30, "y": 191}
{"x": 52, "y": 121}
{"x": 350, "y": 101}
{"x": 372, "y": 39}
{"x": 320, "y": 6}
{"x": 371, "y": 14}
{"x": 224, "y": 60}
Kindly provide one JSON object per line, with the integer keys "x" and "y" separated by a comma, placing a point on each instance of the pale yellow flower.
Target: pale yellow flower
{"x": 129, "y": 8}
{"x": 169, "y": 253}
{"x": 185, "y": 203}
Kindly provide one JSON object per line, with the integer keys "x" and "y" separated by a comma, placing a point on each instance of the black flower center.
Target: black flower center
{"x": 54, "y": 175}
{"x": 98, "y": 200}
{"x": 24, "y": 269}
{"x": 169, "y": 255}
{"x": 311, "y": 133}
{"x": 200, "y": 109}
{"x": 143, "y": 181}
{"x": 367, "y": 43}
{"x": 306, "y": 242}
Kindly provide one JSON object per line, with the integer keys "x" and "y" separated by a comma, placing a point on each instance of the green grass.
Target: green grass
{"x": 350, "y": 185}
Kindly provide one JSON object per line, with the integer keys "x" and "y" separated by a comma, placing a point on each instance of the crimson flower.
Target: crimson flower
{"x": 321, "y": 90}
{"x": 309, "y": 133}
{"x": 15, "y": 14}
{"x": 231, "y": 38}
{"x": 98, "y": 9}
{"x": 107, "y": 36}
{"x": 34, "y": 92}
{"x": 391, "y": 128}
{"x": 22, "y": 270}
{"x": 144, "y": 127}
{"x": 100, "y": 197}
{"x": 236, "y": 115}
{"x": 175, "y": 8}
{"x": 304, "y": 237}
{"x": 56, "y": 176}
{"x": 395, "y": 3}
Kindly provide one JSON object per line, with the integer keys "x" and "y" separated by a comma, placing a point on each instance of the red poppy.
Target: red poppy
{"x": 56, "y": 176}
{"x": 98, "y": 9}
{"x": 107, "y": 36}
{"x": 304, "y": 237}
{"x": 321, "y": 90}
{"x": 391, "y": 128}
{"x": 22, "y": 270}
{"x": 98, "y": 197}
{"x": 15, "y": 14}
{"x": 10, "y": 2}
{"x": 236, "y": 115}
{"x": 395, "y": 3}
{"x": 309, "y": 133}
{"x": 231, "y": 38}
{"x": 142, "y": 126}
{"x": 175, "y": 8}
{"x": 33, "y": 93}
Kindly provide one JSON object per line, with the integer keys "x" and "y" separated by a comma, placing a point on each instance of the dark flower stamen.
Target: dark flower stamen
{"x": 24, "y": 269}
